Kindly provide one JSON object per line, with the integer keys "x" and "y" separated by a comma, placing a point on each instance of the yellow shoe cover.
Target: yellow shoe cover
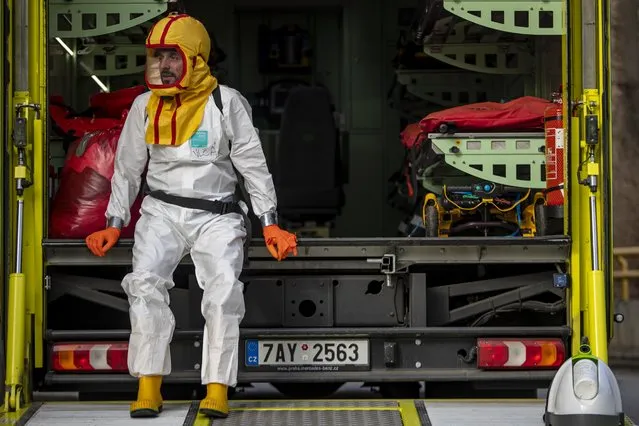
{"x": 149, "y": 402}
{"x": 216, "y": 403}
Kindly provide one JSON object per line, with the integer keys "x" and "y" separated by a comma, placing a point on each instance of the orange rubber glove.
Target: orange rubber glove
{"x": 279, "y": 242}
{"x": 100, "y": 242}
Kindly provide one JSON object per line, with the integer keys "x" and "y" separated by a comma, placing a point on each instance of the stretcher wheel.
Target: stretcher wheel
{"x": 431, "y": 221}
{"x": 446, "y": 128}
{"x": 541, "y": 220}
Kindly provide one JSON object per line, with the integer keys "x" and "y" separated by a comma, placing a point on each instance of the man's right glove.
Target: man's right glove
{"x": 100, "y": 242}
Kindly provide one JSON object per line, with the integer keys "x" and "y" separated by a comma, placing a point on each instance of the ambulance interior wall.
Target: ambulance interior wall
{"x": 352, "y": 58}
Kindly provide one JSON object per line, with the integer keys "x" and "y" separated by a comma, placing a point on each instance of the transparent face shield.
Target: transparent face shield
{"x": 165, "y": 67}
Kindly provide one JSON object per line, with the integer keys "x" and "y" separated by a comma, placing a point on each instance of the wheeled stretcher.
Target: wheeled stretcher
{"x": 494, "y": 185}
{"x": 482, "y": 181}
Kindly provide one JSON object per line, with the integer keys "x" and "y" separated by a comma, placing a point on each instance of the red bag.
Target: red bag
{"x": 111, "y": 105}
{"x": 107, "y": 110}
{"x": 85, "y": 188}
{"x": 525, "y": 114}
{"x": 70, "y": 124}
{"x": 412, "y": 136}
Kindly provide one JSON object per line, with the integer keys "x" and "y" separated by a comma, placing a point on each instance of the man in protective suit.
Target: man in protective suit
{"x": 193, "y": 133}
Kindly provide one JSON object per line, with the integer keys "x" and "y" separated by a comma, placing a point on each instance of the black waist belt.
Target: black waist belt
{"x": 215, "y": 207}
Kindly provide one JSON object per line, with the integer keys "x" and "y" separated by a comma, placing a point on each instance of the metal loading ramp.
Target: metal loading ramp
{"x": 386, "y": 413}
{"x": 102, "y": 414}
{"x": 319, "y": 413}
{"x": 296, "y": 413}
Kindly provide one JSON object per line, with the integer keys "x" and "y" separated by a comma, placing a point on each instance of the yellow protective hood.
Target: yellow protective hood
{"x": 175, "y": 111}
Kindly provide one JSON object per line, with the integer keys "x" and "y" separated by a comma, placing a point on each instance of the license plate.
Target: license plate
{"x": 296, "y": 354}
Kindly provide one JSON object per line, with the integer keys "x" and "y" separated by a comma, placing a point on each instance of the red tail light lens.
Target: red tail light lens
{"x": 520, "y": 353}
{"x": 103, "y": 356}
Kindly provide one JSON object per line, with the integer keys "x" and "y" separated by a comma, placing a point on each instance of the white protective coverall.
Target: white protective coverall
{"x": 191, "y": 147}
{"x": 165, "y": 233}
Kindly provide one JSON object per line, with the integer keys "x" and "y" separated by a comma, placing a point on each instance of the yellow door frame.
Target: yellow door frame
{"x": 25, "y": 337}
{"x": 586, "y": 82}
{"x": 6, "y": 88}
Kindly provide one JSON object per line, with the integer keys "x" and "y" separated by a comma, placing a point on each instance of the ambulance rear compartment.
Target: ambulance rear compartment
{"x": 372, "y": 297}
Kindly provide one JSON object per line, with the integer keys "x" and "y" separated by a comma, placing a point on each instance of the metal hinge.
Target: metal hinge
{"x": 387, "y": 266}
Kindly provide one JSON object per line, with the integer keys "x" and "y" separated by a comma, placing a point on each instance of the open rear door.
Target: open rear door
{"x": 4, "y": 181}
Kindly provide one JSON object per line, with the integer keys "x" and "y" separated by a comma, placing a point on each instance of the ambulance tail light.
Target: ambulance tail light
{"x": 100, "y": 356}
{"x": 520, "y": 353}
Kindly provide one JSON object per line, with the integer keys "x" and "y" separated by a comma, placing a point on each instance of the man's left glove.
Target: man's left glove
{"x": 279, "y": 242}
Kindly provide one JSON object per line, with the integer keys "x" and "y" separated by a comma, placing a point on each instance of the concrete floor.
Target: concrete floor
{"x": 629, "y": 383}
